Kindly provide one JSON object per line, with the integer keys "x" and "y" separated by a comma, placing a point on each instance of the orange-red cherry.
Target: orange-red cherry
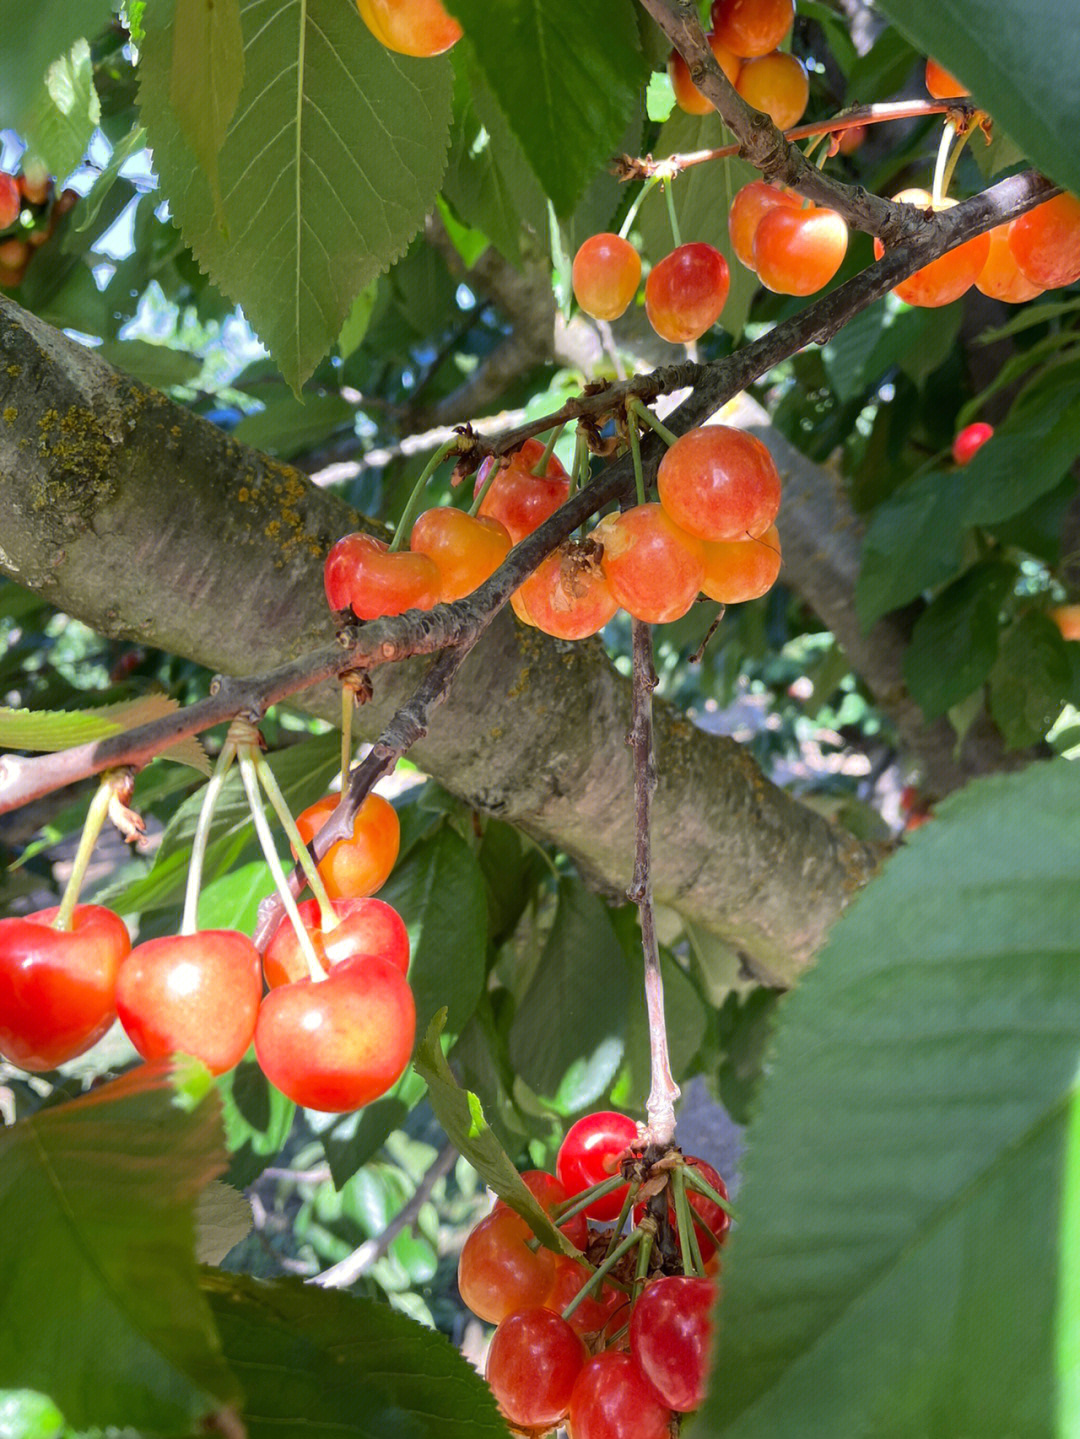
{"x": 465, "y": 549}
{"x": 1067, "y": 619}
{"x": 1001, "y": 278}
{"x": 687, "y": 95}
{"x": 359, "y": 865}
{"x": 191, "y": 994}
{"x": 366, "y": 927}
{"x": 653, "y": 568}
{"x": 741, "y": 570}
{"x": 970, "y": 440}
{"x": 10, "y": 202}
{"x": 605, "y": 275}
{"x": 752, "y": 27}
{"x": 1046, "y": 242}
{"x": 533, "y": 1362}
{"x": 519, "y": 499}
{"x": 950, "y": 275}
{"x": 58, "y": 987}
{"x": 549, "y": 1192}
{"x": 719, "y": 483}
{"x": 748, "y": 208}
{"x": 778, "y": 84}
{"x": 798, "y": 251}
{"x": 363, "y": 574}
{"x": 337, "y": 1044}
{"x": 686, "y": 292}
{"x": 567, "y": 595}
{"x": 411, "y": 27}
{"x": 497, "y": 1271}
{"x": 941, "y": 84}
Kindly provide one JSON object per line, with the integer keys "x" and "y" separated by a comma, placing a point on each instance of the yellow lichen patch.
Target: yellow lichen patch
{"x": 243, "y": 494}
{"x": 11, "y": 414}
{"x": 14, "y": 371}
{"x": 272, "y": 529}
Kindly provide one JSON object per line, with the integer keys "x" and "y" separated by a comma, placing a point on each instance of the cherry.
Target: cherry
{"x": 711, "y": 1221}
{"x": 778, "y": 84}
{"x": 1046, "y": 242}
{"x": 1067, "y": 619}
{"x": 686, "y": 291}
{"x": 605, "y": 275}
{"x": 549, "y": 1192}
{"x": 950, "y": 275}
{"x": 719, "y": 483}
{"x": 612, "y": 1399}
{"x": 367, "y": 927}
{"x": 741, "y": 570}
{"x": 798, "y": 251}
{"x": 748, "y": 208}
{"x": 1001, "y": 277}
{"x": 519, "y": 499}
{"x": 497, "y": 1271}
{"x": 593, "y": 1313}
{"x": 534, "y": 1360}
{"x": 851, "y": 139}
{"x": 567, "y": 594}
{"x": 941, "y": 84}
{"x": 411, "y": 27}
{"x": 590, "y": 1153}
{"x": 970, "y": 439}
{"x": 465, "y": 549}
{"x": 35, "y": 189}
{"x": 58, "y": 987}
{"x": 670, "y": 1336}
{"x": 191, "y": 994}
{"x": 687, "y": 95}
{"x": 10, "y": 201}
{"x": 338, "y": 1044}
{"x": 363, "y": 574}
{"x": 362, "y": 864}
{"x": 653, "y": 568}
{"x": 752, "y": 27}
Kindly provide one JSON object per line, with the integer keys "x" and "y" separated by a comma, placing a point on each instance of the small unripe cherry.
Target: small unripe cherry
{"x": 605, "y": 275}
{"x": 686, "y": 292}
{"x": 778, "y": 84}
{"x": 360, "y": 863}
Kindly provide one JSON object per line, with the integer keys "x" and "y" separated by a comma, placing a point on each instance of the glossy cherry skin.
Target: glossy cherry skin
{"x": 58, "y": 987}
{"x": 338, "y": 1044}
{"x": 653, "y": 567}
{"x": 191, "y": 994}
{"x": 941, "y": 84}
{"x": 970, "y": 440}
{"x": 719, "y": 483}
{"x": 752, "y": 27}
{"x": 950, "y": 275}
{"x": 593, "y": 1313}
{"x": 1067, "y": 619}
{"x": 671, "y": 1336}
{"x": 1046, "y": 242}
{"x": 497, "y": 1271}
{"x": 1001, "y": 278}
{"x": 778, "y": 84}
{"x": 686, "y": 292}
{"x": 741, "y": 570}
{"x": 465, "y": 549}
{"x": 10, "y": 201}
{"x": 798, "y": 251}
{"x": 519, "y": 499}
{"x": 605, "y": 275}
{"x": 612, "y": 1399}
{"x": 748, "y": 208}
{"x": 360, "y": 865}
{"x": 533, "y": 1362}
{"x": 590, "y": 1153}
{"x": 549, "y": 1192}
{"x": 362, "y": 574}
{"x": 411, "y": 27}
{"x": 368, "y": 927}
{"x": 567, "y": 595}
{"x": 687, "y": 95}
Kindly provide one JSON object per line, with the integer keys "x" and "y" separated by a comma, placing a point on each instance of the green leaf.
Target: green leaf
{"x": 881, "y": 336}
{"x": 46, "y": 31}
{"x": 291, "y": 423}
{"x": 905, "y": 1264}
{"x": 462, "y": 1116}
{"x": 131, "y": 144}
{"x": 568, "y": 75}
{"x": 1020, "y": 61}
{"x": 153, "y": 364}
{"x": 206, "y": 79}
{"x": 52, "y": 730}
{"x": 881, "y": 71}
{"x": 257, "y": 1119}
{"x": 955, "y": 640}
{"x": 222, "y": 1219}
{"x": 97, "y": 1206}
{"x": 329, "y": 166}
{"x": 569, "y": 1033}
{"x": 438, "y": 890}
{"x": 62, "y": 118}
{"x": 323, "y": 1364}
{"x": 27, "y": 1415}
{"x": 1030, "y": 682}
{"x": 914, "y": 542}
{"x": 356, "y": 322}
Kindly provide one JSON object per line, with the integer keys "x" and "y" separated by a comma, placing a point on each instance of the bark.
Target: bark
{"x": 148, "y": 523}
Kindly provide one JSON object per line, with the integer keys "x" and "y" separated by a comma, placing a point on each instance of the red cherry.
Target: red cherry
{"x": 970, "y": 439}
{"x": 741, "y": 570}
{"x": 798, "y": 251}
{"x": 532, "y": 1365}
{"x": 411, "y": 27}
{"x": 58, "y": 987}
{"x": 338, "y": 1044}
{"x": 10, "y": 203}
{"x": 719, "y": 483}
{"x": 1046, "y": 242}
{"x": 368, "y": 927}
{"x": 191, "y": 994}
{"x": 593, "y": 1313}
{"x": 497, "y": 1271}
{"x": 567, "y": 594}
{"x": 612, "y": 1399}
{"x": 360, "y": 865}
{"x": 519, "y": 499}
{"x": 941, "y": 84}
{"x": 711, "y": 1221}
{"x": 686, "y": 292}
{"x": 851, "y": 139}
{"x": 778, "y": 84}
{"x": 590, "y": 1153}
{"x": 748, "y": 208}
{"x": 653, "y": 567}
{"x": 364, "y": 575}
{"x": 465, "y": 549}
{"x": 605, "y": 275}
{"x": 687, "y": 95}
{"x": 1001, "y": 278}
{"x": 752, "y": 27}
{"x": 670, "y": 1337}
{"x": 950, "y": 275}
{"x": 549, "y": 1192}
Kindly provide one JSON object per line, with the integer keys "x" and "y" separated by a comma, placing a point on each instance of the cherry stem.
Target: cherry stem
{"x": 579, "y": 474}
{"x": 944, "y": 145}
{"x": 672, "y": 217}
{"x": 697, "y": 1180}
{"x": 684, "y": 1219}
{"x": 596, "y": 1279}
{"x": 190, "y": 922}
{"x": 624, "y": 1214}
{"x": 963, "y": 136}
{"x": 246, "y": 757}
{"x": 635, "y": 452}
{"x": 641, "y": 1269}
{"x": 631, "y": 214}
{"x": 328, "y": 919}
{"x": 660, "y": 1106}
{"x": 635, "y": 406}
{"x": 95, "y": 818}
{"x": 496, "y": 468}
{"x": 562, "y": 1212}
{"x": 539, "y": 470}
{"x": 348, "y": 704}
{"x": 405, "y": 524}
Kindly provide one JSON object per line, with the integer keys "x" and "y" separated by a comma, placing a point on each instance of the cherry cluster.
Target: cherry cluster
{"x": 616, "y": 1342}
{"x": 29, "y": 212}
{"x": 745, "y": 39}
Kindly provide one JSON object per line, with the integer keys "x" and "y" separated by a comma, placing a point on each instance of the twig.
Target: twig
{"x": 664, "y": 1091}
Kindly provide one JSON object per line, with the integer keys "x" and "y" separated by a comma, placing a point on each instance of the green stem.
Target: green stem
{"x": 245, "y": 757}
{"x": 328, "y": 920}
{"x": 348, "y": 704}
{"x": 562, "y": 1212}
{"x": 691, "y": 1253}
{"x": 597, "y": 1278}
{"x": 957, "y": 151}
{"x": 540, "y": 468}
{"x": 635, "y": 451}
{"x": 631, "y": 214}
{"x": 697, "y": 1180}
{"x": 647, "y": 417}
{"x": 405, "y": 524}
{"x": 944, "y": 144}
{"x": 474, "y": 508}
{"x": 624, "y": 1214}
{"x": 190, "y": 921}
{"x": 671, "y": 214}
{"x": 95, "y": 818}
{"x": 641, "y": 1271}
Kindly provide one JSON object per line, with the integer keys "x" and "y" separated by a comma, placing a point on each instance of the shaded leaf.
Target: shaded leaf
{"x": 955, "y": 640}
{"x": 52, "y": 730}
{"x": 1030, "y": 682}
{"x": 206, "y": 78}
{"x": 156, "y": 365}
{"x": 222, "y": 1219}
{"x": 45, "y": 31}
{"x": 62, "y": 118}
